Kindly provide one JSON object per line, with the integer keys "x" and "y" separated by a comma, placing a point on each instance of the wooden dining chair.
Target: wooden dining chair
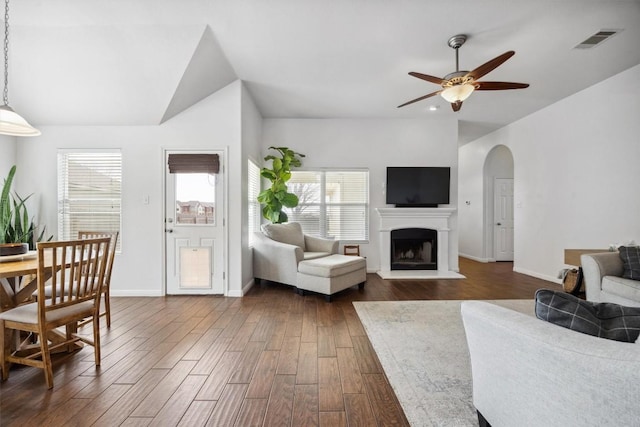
{"x": 76, "y": 270}
{"x": 106, "y": 287}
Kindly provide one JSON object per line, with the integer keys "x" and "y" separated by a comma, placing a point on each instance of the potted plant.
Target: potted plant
{"x": 17, "y": 230}
{"x": 276, "y": 197}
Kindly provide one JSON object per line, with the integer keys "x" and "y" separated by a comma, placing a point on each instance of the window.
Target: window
{"x": 89, "y": 192}
{"x": 332, "y": 203}
{"x": 252, "y": 203}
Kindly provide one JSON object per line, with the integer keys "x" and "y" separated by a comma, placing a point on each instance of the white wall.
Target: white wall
{"x": 251, "y": 139}
{"x": 213, "y": 123}
{"x": 575, "y": 171}
{"x": 373, "y": 144}
{"x": 7, "y": 155}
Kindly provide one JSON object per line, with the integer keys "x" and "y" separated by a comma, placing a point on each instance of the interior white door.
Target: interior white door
{"x": 503, "y": 219}
{"x": 194, "y": 231}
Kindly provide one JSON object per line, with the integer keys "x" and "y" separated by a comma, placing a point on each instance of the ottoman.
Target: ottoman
{"x": 331, "y": 274}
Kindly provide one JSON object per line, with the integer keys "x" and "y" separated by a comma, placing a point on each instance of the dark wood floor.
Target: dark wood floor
{"x": 270, "y": 358}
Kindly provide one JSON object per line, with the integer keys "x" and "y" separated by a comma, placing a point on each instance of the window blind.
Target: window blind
{"x": 253, "y": 206}
{"x": 332, "y": 203}
{"x": 194, "y": 163}
{"x": 89, "y": 192}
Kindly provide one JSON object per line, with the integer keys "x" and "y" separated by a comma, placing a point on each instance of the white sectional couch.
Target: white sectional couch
{"x": 604, "y": 281}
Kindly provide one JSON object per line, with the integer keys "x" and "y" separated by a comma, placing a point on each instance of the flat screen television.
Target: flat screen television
{"x": 418, "y": 186}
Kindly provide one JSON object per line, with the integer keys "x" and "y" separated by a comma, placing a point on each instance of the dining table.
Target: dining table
{"x": 18, "y": 279}
{"x": 18, "y": 282}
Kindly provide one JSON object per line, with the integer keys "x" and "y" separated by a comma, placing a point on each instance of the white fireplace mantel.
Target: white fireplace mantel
{"x": 432, "y": 218}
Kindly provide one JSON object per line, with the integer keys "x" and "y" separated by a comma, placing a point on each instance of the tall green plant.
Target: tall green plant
{"x": 276, "y": 197}
{"x": 15, "y": 224}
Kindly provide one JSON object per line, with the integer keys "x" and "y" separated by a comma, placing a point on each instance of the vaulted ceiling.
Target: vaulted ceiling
{"x": 141, "y": 62}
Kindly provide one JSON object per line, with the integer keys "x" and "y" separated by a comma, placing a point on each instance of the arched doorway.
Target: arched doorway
{"x": 498, "y": 204}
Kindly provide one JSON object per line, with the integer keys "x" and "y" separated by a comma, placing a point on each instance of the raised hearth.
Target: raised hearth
{"x": 436, "y": 219}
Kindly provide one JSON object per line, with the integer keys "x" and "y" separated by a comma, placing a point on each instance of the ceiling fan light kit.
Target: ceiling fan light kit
{"x": 11, "y": 123}
{"x": 459, "y": 85}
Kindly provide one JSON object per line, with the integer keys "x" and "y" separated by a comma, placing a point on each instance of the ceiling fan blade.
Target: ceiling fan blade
{"x": 500, "y": 85}
{"x": 456, "y": 105}
{"x": 432, "y": 79}
{"x": 420, "y": 99}
{"x": 487, "y": 67}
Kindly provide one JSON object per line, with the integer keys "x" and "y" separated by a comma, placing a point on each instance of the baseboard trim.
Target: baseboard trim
{"x": 537, "y": 275}
{"x": 474, "y": 258}
{"x": 135, "y": 293}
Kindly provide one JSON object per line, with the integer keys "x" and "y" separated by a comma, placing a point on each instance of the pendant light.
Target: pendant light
{"x": 11, "y": 123}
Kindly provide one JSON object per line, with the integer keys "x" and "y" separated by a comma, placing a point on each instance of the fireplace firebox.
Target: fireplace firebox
{"x": 414, "y": 249}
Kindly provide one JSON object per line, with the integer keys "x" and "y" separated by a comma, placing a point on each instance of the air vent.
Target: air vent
{"x": 597, "y": 38}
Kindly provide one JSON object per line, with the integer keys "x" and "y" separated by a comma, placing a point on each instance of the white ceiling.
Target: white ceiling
{"x": 140, "y": 62}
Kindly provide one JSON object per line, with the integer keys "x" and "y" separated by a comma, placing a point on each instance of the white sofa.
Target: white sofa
{"x": 604, "y": 282}
{"x": 279, "y": 248}
{"x": 528, "y": 372}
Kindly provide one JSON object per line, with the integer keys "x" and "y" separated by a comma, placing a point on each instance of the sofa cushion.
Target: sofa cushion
{"x": 625, "y": 288}
{"x": 314, "y": 255}
{"x": 332, "y": 266}
{"x": 630, "y": 256}
{"x": 290, "y": 232}
{"x": 605, "y": 320}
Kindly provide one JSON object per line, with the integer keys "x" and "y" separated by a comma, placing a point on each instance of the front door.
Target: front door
{"x": 503, "y": 219}
{"x": 194, "y": 230}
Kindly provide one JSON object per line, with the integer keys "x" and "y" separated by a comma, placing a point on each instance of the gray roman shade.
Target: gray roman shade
{"x": 194, "y": 163}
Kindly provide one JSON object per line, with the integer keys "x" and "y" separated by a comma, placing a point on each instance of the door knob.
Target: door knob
{"x": 499, "y": 223}
{"x": 168, "y": 231}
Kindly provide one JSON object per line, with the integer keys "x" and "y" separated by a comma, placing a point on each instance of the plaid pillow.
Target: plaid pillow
{"x": 605, "y": 320}
{"x": 630, "y": 256}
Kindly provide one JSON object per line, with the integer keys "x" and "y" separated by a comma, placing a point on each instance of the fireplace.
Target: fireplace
{"x": 414, "y": 249}
{"x": 442, "y": 254}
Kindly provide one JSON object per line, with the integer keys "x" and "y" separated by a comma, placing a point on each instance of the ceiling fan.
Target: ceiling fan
{"x": 457, "y": 86}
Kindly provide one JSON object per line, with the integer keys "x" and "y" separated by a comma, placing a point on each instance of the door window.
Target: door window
{"x": 195, "y": 199}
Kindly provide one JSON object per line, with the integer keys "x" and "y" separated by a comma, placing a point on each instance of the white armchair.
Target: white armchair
{"x": 279, "y": 248}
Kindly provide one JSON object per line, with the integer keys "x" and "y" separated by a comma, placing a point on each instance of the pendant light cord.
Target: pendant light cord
{"x": 6, "y": 53}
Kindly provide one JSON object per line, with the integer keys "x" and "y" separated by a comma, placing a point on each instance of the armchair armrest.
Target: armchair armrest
{"x": 319, "y": 244}
{"x": 275, "y": 261}
{"x": 595, "y": 267}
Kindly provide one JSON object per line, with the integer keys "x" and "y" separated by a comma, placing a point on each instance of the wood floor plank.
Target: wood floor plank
{"x": 329, "y": 385}
{"x": 98, "y": 405}
{"x": 365, "y": 355}
{"x": 358, "y": 410}
{"x": 219, "y": 376}
{"x": 173, "y": 410}
{"x": 384, "y": 403}
{"x": 202, "y": 345}
{"x": 333, "y": 419}
{"x": 262, "y": 380}
{"x": 305, "y": 405}
{"x": 124, "y": 406}
{"x": 247, "y": 363}
{"x": 326, "y": 342}
{"x": 198, "y": 413}
{"x": 158, "y": 397}
{"x": 307, "y": 364}
{"x": 288, "y": 362}
{"x": 251, "y": 413}
{"x": 350, "y": 376}
{"x": 228, "y": 406}
{"x": 280, "y": 404}
{"x": 211, "y": 357}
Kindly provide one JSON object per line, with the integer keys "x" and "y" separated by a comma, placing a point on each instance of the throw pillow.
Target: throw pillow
{"x": 630, "y": 256}
{"x": 605, "y": 320}
{"x": 290, "y": 232}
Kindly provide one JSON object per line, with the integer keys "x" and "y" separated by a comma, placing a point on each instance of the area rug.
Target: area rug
{"x": 423, "y": 350}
